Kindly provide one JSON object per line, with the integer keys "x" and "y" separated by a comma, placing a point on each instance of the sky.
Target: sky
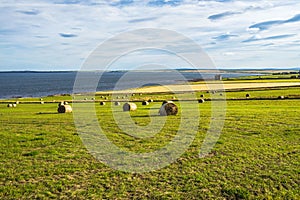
{"x": 61, "y": 34}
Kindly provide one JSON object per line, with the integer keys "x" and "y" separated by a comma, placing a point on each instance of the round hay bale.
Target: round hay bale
{"x": 14, "y": 105}
{"x": 166, "y": 101}
{"x": 202, "y": 95}
{"x": 85, "y": 99}
{"x": 64, "y": 109}
{"x": 132, "y": 94}
{"x": 247, "y": 95}
{"x": 129, "y": 107}
{"x": 61, "y": 103}
{"x": 41, "y": 99}
{"x": 66, "y": 103}
{"x": 102, "y": 103}
{"x": 118, "y": 97}
{"x": 93, "y": 99}
{"x": 106, "y": 98}
{"x": 145, "y": 103}
{"x": 42, "y": 102}
{"x": 17, "y": 102}
{"x": 150, "y": 100}
{"x": 168, "y": 109}
{"x": 117, "y": 103}
{"x": 201, "y": 101}
{"x": 101, "y": 97}
{"x": 9, "y": 105}
{"x": 281, "y": 97}
{"x": 173, "y": 98}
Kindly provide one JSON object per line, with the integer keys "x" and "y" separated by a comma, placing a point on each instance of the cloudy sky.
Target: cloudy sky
{"x": 61, "y": 34}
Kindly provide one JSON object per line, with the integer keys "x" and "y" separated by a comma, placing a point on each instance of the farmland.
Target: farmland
{"x": 256, "y": 156}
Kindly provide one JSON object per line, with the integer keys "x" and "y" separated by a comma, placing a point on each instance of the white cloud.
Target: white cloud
{"x": 43, "y": 35}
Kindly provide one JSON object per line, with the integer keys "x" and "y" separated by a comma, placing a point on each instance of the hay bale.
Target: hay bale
{"x": 61, "y": 103}
{"x": 42, "y": 102}
{"x": 102, "y": 97}
{"x": 173, "y": 98}
{"x": 281, "y": 97}
{"x": 17, "y": 102}
{"x": 129, "y": 107}
{"x": 41, "y": 99}
{"x": 64, "y": 109}
{"x": 93, "y": 99}
{"x": 106, "y": 98}
{"x": 168, "y": 109}
{"x": 166, "y": 101}
{"x": 85, "y": 99}
{"x": 132, "y": 94}
{"x": 247, "y": 95}
{"x": 201, "y": 101}
{"x": 66, "y": 103}
{"x": 145, "y": 103}
{"x": 150, "y": 100}
{"x": 117, "y": 103}
{"x": 9, "y": 105}
{"x": 102, "y": 103}
{"x": 14, "y": 105}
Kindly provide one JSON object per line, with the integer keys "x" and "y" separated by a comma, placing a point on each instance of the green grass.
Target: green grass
{"x": 256, "y": 157}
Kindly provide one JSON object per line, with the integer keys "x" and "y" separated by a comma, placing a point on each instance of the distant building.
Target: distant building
{"x": 218, "y": 77}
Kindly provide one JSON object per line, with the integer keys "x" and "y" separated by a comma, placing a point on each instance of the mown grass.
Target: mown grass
{"x": 256, "y": 157}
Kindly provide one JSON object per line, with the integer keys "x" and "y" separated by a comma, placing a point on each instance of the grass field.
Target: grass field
{"x": 256, "y": 157}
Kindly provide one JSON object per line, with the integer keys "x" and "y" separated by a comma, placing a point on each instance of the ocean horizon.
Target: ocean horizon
{"x": 21, "y": 84}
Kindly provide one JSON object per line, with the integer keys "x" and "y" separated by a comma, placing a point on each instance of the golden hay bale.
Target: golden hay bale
{"x": 61, "y": 103}
{"x": 168, "y": 109}
{"x": 145, "y": 103}
{"x": 117, "y": 103}
{"x": 166, "y": 101}
{"x": 66, "y": 103}
{"x": 150, "y": 100}
{"x": 281, "y": 97}
{"x": 14, "y": 105}
{"x": 17, "y": 102}
{"x": 64, "y": 109}
{"x": 201, "y": 101}
{"x": 41, "y": 99}
{"x": 106, "y": 98}
{"x": 9, "y": 105}
{"x": 42, "y": 102}
{"x": 129, "y": 107}
{"x": 102, "y": 103}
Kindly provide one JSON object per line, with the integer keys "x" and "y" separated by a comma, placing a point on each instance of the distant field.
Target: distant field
{"x": 256, "y": 157}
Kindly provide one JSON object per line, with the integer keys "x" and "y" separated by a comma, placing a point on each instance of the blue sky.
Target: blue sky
{"x": 60, "y": 34}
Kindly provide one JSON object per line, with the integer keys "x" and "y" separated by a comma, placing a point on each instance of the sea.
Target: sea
{"x": 40, "y": 84}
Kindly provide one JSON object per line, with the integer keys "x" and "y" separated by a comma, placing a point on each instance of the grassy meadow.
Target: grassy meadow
{"x": 256, "y": 157}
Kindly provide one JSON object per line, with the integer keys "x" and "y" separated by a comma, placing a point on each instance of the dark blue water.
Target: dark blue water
{"x": 33, "y": 84}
